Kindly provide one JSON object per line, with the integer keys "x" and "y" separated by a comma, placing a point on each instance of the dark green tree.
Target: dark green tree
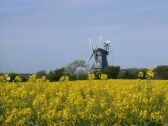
{"x": 12, "y": 76}
{"x": 111, "y": 71}
{"x": 161, "y": 72}
{"x": 56, "y": 74}
{"x": 24, "y": 79}
{"x": 129, "y": 73}
{"x": 41, "y": 73}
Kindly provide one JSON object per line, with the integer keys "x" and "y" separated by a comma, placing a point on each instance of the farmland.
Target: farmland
{"x": 89, "y": 102}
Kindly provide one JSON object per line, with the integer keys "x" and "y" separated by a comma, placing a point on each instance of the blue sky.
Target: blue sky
{"x": 48, "y": 34}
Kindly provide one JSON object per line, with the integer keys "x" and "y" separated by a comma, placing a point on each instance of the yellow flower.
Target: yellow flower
{"x": 91, "y": 76}
{"x": 18, "y": 79}
{"x": 140, "y": 74}
{"x": 149, "y": 73}
{"x": 64, "y": 78}
{"x": 143, "y": 114}
{"x": 103, "y": 77}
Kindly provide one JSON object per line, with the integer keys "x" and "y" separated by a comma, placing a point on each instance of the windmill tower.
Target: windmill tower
{"x": 99, "y": 55}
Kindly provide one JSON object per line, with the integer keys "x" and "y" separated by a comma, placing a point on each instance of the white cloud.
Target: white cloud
{"x": 142, "y": 9}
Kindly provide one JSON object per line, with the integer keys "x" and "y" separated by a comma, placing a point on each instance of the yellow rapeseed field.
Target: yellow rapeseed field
{"x": 84, "y": 103}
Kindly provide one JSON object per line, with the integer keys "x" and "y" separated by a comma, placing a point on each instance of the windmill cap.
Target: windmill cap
{"x": 107, "y": 42}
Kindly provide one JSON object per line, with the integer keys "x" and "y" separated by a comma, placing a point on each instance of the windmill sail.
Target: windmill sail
{"x": 100, "y": 54}
{"x": 90, "y": 58}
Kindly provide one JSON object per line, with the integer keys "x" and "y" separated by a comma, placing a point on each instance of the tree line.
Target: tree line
{"x": 77, "y": 70}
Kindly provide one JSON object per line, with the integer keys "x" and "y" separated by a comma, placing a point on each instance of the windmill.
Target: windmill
{"x": 99, "y": 54}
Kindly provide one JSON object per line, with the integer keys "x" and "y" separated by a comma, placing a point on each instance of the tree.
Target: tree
{"x": 129, "y": 73}
{"x": 111, "y": 71}
{"x": 23, "y": 77}
{"x": 12, "y": 76}
{"x": 80, "y": 75}
{"x": 161, "y": 72}
{"x": 41, "y": 73}
{"x": 56, "y": 74}
{"x": 75, "y": 66}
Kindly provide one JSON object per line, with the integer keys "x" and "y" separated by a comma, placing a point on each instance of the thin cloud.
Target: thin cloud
{"x": 142, "y": 9}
